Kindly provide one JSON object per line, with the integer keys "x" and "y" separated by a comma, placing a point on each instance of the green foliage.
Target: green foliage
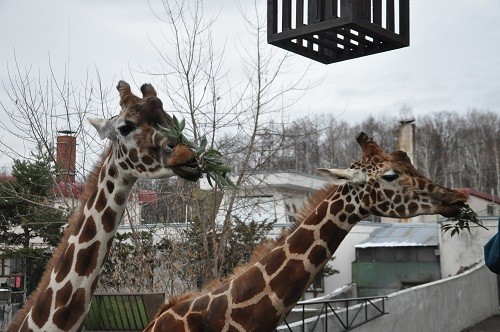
{"x": 209, "y": 160}
{"x": 244, "y": 239}
{"x": 26, "y": 202}
{"x": 328, "y": 270}
{"x": 461, "y": 221}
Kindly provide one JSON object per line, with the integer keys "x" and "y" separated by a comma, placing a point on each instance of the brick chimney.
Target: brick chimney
{"x": 66, "y": 156}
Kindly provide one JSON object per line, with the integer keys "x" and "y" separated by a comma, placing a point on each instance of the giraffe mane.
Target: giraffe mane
{"x": 259, "y": 251}
{"x": 72, "y": 223}
{"x": 174, "y": 300}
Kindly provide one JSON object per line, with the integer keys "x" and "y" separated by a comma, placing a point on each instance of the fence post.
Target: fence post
{"x": 347, "y": 313}
{"x": 303, "y": 317}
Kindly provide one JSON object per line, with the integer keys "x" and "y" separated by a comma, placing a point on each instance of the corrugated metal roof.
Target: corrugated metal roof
{"x": 403, "y": 235}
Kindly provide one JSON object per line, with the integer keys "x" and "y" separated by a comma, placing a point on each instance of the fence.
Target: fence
{"x": 122, "y": 312}
{"x": 334, "y": 315}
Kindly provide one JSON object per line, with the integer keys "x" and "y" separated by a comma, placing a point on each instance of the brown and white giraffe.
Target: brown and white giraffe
{"x": 260, "y": 296}
{"x": 138, "y": 150}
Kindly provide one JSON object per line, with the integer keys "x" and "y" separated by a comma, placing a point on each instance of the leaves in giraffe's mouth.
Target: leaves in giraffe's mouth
{"x": 461, "y": 220}
{"x": 208, "y": 160}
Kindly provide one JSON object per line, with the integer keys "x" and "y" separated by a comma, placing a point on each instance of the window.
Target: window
{"x": 364, "y": 255}
{"x": 427, "y": 254}
{"x": 397, "y": 254}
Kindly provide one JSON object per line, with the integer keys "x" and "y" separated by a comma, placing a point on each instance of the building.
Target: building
{"x": 271, "y": 196}
{"x": 395, "y": 257}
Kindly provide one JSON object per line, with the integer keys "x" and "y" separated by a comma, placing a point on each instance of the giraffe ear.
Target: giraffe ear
{"x": 104, "y": 128}
{"x": 342, "y": 176}
{"x": 336, "y": 176}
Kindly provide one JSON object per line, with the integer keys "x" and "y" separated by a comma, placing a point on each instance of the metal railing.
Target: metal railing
{"x": 334, "y": 315}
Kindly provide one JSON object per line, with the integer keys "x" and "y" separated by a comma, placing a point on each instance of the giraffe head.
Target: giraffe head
{"x": 141, "y": 149}
{"x": 387, "y": 184}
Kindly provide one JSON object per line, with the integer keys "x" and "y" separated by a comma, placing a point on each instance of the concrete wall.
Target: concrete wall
{"x": 465, "y": 249}
{"x": 448, "y": 305}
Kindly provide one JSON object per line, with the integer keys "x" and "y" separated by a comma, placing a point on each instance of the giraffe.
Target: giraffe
{"x": 261, "y": 293}
{"x": 137, "y": 149}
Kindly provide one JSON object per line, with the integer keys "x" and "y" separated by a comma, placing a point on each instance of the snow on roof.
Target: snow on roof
{"x": 403, "y": 235}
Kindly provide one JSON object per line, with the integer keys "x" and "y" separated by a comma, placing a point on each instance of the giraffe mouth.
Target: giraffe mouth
{"x": 189, "y": 172}
{"x": 452, "y": 206}
{"x": 182, "y": 160}
{"x": 450, "y": 211}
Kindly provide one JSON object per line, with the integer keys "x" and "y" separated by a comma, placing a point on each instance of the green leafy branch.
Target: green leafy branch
{"x": 209, "y": 160}
{"x": 461, "y": 221}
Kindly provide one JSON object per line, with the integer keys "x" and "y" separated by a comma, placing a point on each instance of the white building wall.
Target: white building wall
{"x": 346, "y": 254}
{"x": 480, "y": 205}
{"x": 465, "y": 249}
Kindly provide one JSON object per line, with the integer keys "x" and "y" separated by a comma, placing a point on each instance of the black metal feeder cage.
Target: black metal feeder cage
{"x": 330, "y": 31}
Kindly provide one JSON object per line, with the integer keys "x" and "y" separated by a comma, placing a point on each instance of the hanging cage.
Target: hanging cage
{"x": 330, "y": 31}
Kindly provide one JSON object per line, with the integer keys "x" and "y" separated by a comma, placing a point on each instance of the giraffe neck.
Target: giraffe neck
{"x": 290, "y": 268}
{"x": 65, "y": 291}
{"x": 270, "y": 287}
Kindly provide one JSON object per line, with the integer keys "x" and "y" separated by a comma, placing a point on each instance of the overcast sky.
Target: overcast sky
{"x": 453, "y": 62}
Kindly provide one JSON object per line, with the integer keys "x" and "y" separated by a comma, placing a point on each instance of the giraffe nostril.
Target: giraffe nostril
{"x": 171, "y": 144}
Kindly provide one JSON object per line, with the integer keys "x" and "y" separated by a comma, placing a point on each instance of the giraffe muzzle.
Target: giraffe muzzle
{"x": 182, "y": 160}
{"x": 452, "y": 201}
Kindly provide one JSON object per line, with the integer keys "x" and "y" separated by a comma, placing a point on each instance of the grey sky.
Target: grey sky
{"x": 453, "y": 62}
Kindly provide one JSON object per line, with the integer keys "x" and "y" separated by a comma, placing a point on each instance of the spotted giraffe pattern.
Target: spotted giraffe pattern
{"x": 260, "y": 296}
{"x": 138, "y": 150}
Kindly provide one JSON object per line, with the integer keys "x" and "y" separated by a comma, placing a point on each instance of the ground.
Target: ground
{"x": 490, "y": 324}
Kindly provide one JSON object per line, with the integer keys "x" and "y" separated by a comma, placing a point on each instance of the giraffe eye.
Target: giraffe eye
{"x": 127, "y": 128}
{"x": 390, "y": 176}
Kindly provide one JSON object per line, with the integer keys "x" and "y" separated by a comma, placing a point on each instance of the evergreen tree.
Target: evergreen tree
{"x": 244, "y": 238}
{"x": 27, "y": 211}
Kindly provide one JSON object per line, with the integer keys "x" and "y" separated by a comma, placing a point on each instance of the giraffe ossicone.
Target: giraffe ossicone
{"x": 261, "y": 293}
{"x": 138, "y": 149}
